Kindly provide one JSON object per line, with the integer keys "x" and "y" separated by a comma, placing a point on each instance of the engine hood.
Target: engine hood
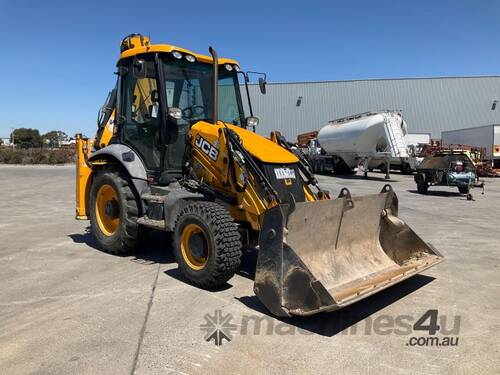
{"x": 258, "y": 146}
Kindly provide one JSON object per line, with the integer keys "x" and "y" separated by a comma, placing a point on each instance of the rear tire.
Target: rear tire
{"x": 114, "y": 210}
{"x": 207, "y": 244}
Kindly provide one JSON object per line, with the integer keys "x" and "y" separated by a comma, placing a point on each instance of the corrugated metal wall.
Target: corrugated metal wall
{"x": 429, "y": 105}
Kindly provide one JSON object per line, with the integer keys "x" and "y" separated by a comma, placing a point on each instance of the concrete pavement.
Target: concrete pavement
{"x": 67, "y": 307}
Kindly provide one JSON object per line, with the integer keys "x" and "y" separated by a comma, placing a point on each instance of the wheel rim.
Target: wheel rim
{"x": 107, "y": 210}
{"x": 194, "y": 247}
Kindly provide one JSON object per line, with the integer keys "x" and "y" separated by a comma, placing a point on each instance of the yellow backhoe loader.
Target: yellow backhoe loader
{"x": 175, "y": 152}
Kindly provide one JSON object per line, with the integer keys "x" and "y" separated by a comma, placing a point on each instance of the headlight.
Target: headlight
{"x": 175, "y": 112}
{"x": 190, "y": 58}
{"x": 177, "y": 54}
{"x": 252, "y": 121}
{"x": 228, "y": 67}
{"x": 236, "y": 67}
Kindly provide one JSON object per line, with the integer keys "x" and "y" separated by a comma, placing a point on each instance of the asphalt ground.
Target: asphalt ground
{"x": 67, "y": 307}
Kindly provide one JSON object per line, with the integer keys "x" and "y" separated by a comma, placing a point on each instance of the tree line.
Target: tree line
{"x": 31, "y": 138}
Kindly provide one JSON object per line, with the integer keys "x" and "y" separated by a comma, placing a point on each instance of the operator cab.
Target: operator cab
{"x": 162, "y": 91}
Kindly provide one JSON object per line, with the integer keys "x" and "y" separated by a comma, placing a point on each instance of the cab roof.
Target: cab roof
{"x": 136, "y": 44}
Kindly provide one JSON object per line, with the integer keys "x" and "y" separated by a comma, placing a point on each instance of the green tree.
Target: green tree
{"x": 26, "y": 138}
{"x": 54, "y": 138}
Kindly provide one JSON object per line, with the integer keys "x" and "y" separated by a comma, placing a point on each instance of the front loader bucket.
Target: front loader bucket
{"x": 328, "y": 254}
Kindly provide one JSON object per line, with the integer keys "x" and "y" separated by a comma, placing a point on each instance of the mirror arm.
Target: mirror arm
{"x": 262, "y": 81}
{"x": 245, "y": 79}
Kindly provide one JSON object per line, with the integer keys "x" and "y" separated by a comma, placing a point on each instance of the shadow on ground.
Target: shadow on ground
{"x": 176, "y": 274}
{"x": 438, "y": 193}
{"x": 246, "y": 269}
{"x": 361, "y": 177}
{"x": 155, "y": 248}
{"x": 332, "y": 323}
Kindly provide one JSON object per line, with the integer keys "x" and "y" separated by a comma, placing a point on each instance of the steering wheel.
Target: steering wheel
{"x": 193, "y": 111}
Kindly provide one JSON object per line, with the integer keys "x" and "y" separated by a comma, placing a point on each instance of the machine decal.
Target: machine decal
{"x": 284, "y": 173}
{"x": 206, "y": 147}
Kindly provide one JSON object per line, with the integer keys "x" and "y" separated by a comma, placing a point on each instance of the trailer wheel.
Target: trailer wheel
{"x": 406, "y": 169}
{"x": 464, "y": 189}
{"x": 422, "y": 187}
{"x": 207, "y": 244}
{"x": 114, "y": 210}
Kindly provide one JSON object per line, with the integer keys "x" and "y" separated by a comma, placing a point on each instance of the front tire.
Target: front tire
{"x": 114, "y": 210}
{"x": 207, "y": 244}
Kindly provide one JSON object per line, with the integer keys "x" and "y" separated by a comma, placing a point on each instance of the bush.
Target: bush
{"x": 9, "y": 155}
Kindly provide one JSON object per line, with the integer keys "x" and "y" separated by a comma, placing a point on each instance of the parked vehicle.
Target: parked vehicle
{"x": 342, "y": 144}
{"x": 186, "y": 165}
{"x": 408, "y": 164}
{"x": 447, "y": 168}
{"x": 483, "y": 167}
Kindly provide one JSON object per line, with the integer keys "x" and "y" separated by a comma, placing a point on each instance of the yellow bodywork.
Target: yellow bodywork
{"x": 142, "y": 44}
{"x": 316, "y": 255}
{"x": 108, "y": 132}
{"x": 83, "y": 173}
{"x": 216, "y": 173}
{"x": 250, "y": 205}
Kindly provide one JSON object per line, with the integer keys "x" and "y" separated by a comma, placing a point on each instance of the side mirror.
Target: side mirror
{"x": 262, "y": 85}
{"x": 175, "y": 113}
{"x": 252, "y": 121}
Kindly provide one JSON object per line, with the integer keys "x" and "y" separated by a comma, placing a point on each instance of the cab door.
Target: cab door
{"x": 139, "y": 111}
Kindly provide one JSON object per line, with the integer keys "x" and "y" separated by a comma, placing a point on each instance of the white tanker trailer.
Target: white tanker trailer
{"x": 342, "y": 144}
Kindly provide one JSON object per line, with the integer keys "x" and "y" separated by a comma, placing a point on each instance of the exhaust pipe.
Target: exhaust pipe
{"x": 215, "y": 87}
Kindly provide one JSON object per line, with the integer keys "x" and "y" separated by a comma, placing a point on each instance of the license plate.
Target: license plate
{"x": 284, "y": 173}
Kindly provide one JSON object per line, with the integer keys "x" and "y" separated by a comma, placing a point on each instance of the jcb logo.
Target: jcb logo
{"x": 206, "y": 147}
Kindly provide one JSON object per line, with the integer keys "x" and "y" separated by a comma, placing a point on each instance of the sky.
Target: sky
{"x": 57, "y": 58}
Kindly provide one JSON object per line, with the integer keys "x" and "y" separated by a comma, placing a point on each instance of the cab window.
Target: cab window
{"x": 140, "y": 111}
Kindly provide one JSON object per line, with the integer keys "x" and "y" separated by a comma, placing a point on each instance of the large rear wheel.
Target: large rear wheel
{"x": 207, "y": 244}
{"x": 114, "y": 210}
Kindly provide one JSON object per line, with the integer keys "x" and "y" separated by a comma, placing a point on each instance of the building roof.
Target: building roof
{"x": 378, "y": 79}
{"x": 429, "y": 105}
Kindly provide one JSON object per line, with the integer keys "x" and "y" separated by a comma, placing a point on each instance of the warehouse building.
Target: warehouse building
{"x": 429, "y": 105}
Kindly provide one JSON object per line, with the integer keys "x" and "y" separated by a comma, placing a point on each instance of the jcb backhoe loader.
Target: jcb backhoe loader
{"x": 174, "y": 152}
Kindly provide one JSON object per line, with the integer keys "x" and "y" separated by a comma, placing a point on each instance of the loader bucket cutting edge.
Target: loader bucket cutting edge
{"x": 336, "y": 252}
